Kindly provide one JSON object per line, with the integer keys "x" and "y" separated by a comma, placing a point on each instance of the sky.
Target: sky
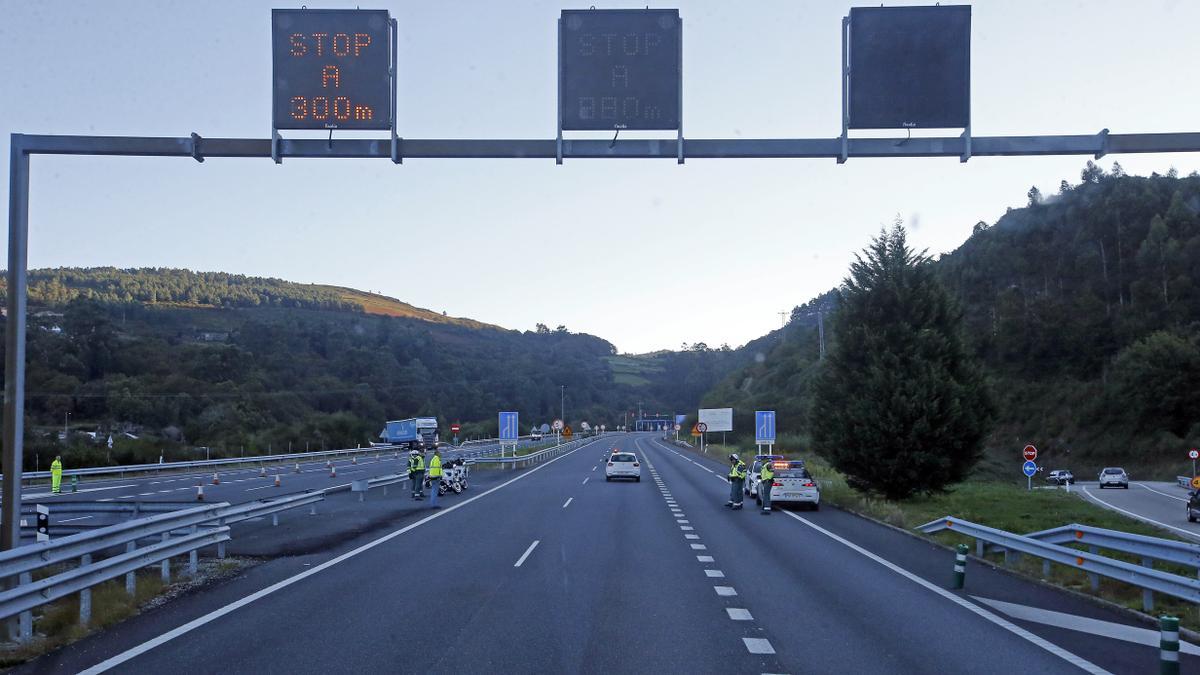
{"x": 645, "y": 253}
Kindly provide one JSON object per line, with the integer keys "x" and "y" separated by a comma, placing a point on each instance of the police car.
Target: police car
{"x": 793, "y": 484}
{"x": 751, "y": 486}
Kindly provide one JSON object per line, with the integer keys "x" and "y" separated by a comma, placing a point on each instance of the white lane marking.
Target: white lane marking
{"x": 699, "y": 547}
{"x": 758, "y": 645}
{"x": 691, "y": 536}
{"x": 68, "y": 520}
{"x": 1131, "y": 514}
{"x": 1160, "y": 492}
{"x": 525, "y": 555}
{"x": 261, "y": 487}
{"x": 969, "y": 606}
{"x": 593, "y": 468}
{"x": 704, "y": 558}
{"x": 724, "y": 591}
{"x": 738, "y": 614}
{"x": 1108, "y": 629}
{"x": 566, "y": 503}
{"x": 686, "y": 528}
{"x": 585, "y": 480}
{"x": 682, "y": 521}
{"x": 714, "y": 574}
{"x": 40, "y": 495}
{"x": 192, "y": 625}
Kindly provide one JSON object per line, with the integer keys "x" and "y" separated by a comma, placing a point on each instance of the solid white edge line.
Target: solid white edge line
{"x": 1160, "y": 492}
{"x": 188, "y": 627}
{"x": 1054, "y": 649}
{"x": 1131, "y": 514}
{"x": 521, "y": 560}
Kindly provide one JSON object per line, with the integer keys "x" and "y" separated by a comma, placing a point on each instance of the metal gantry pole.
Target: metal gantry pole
{"x": 14, "y": 342}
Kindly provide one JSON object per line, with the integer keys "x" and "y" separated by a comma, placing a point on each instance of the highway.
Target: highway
{"x": 553, "y": 569}
{"x": 1158, "y": 503}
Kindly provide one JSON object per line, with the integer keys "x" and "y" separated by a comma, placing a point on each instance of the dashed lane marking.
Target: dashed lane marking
{"x": 704, "y": 558}
{"x": 568, "y": 502}
{"x": 585, "y": 480}
{"x": 521, "y": 560}
{"x": 714, "y": 574}
{"x": 699, "y": 547}
{"x": 691, "y": 536}
{"x": 725, "y": 591}
{"x": 758, "y": 645}
{"x": 738, "y": 614}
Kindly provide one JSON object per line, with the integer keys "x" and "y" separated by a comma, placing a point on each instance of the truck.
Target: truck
{"x": 415, "y": 433}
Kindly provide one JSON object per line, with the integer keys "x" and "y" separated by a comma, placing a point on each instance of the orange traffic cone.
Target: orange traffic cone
{"x": 216, "y": 479}
{"x": 200, "y": 493}
{"x": 277, "y": 481}
{"x": 333, "y": 472}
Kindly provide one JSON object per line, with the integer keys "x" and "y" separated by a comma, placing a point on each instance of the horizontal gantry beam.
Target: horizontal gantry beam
{"x": 1096, "y": 145}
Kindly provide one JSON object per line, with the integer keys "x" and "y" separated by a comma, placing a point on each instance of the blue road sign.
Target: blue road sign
{"x": 680, "y": 419}
{"x": 509, "y": 430}
{"x": 1029, "y": 468}
{"x": 764, "y": 426}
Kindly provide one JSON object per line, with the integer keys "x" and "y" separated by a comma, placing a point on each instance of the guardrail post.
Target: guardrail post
{"x": 1168, "y": 645}
{"x": 960, "y": 565}
{"x": 194, "y": 557}
{"x": 25, "y": 620}
{"x": 166, "y": 563}
{"x": 1045, "y": 569}
{"x": 1094, "y": 579}
{"x": 979, "y": 548}
{"x": 1147, "y": 594}
{"x": 220, "y": 544}
{"x": 85, "y": 596}
{"x": 131, "y": 577}
{"x": 274, "y": 519}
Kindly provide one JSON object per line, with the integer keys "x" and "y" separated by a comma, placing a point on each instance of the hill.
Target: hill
{"x": 185, "y": 359}
{"x": 1084, "y": 307}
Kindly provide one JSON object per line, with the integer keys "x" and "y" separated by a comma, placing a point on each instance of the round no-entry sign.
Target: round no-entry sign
{"x": 701, "y": 427}
{"x": 1193, "y": 453}
{"x": 454, "y": 428}
{"x": 1030, "y": 453}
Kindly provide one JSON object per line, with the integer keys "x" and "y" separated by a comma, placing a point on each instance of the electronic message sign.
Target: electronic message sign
{"x": 619, "y": 69}
{"x": 910, "y": 67}
{"x": 331, "y": 69}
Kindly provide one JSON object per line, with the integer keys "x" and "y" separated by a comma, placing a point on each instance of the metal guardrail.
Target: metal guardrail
{"x": 21, "y": 562}
{"x": 521, "y": 461}
{"x": 1145, "y": 576}
{"x": 204, "y": 463}
{"x": 1165, "y": 550}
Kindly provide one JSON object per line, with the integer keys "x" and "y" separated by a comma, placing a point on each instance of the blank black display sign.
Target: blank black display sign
{"x": 619, "y": 69}
{"x": 910, "y": 67}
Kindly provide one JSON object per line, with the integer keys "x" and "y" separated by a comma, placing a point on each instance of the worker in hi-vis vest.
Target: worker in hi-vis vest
{"x": 766, "y": 479}
{"x": 435, "y": 477}
{"x": 416, "y": 474}
{"x": 737, "y": 478}
{"x": 56, "y": 474}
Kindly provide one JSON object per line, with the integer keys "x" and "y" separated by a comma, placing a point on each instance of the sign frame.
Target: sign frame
{"x": 558, "y": 142}
{"x": 393, "y": 49}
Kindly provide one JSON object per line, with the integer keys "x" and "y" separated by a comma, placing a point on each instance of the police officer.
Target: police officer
{"x": 416, "y": 473}
{"x": 767, "y": 477}
{"x": 737, "y": 478}
{"x": 56, "y": 475}
{"x": 435, "y": 476}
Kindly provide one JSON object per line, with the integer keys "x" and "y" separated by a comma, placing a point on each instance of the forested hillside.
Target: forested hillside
{"x": 184, "y": 360}
{"x": 1084, "y": 307}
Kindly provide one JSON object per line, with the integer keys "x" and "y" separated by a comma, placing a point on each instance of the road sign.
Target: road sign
{"x": 764, "y": 426}
{"x": 558, "y": 425}
{"x": 1196, "y": 482}
{"x": 696, "y": 430}
{"x": 619, "y": 69}
{"x": 331, "y": 69}
{"x": 1193, "y": 453}
{"x": 909, "y": 67}
{"x": 678, "y": 427}
{"x": 701, "y": 427}
{"x": 455, "y": 428}
{"x": 1029, "y": 468}
{"x": 509, "y": 429}
{"x": 566, "y": 432}
{"x": 1030, "y": 453}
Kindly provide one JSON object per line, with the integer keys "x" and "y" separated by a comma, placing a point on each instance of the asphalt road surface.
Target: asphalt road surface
{"x": 555, "y": 570}
{"x": 1160, "y": 504}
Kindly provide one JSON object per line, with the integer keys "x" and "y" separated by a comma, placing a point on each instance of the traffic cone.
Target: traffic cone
{"x": 200, "y": 492}
{"x": 216, "y": 479}
{"x": 333, "y": 472}
{"x": 262, "y": 472}
{"x": 354, "y": 459}
{"x": 328, "y": 464}
{"x": 277, "y": 481}
{"x": 297, "y": 467}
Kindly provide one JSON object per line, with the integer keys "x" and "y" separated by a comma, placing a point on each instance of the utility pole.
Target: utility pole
{"x": 67, "y": 428}
{"x": 562, "y": 403}
{"x": 783, "y": 326}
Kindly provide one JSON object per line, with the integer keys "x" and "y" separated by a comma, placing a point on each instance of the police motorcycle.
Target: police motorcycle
{"x": 454, "y": 477}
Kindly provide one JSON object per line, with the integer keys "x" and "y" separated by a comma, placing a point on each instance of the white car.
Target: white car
{"x": 751, "y": 486}
{"x": 1114, "y": 476}
{"x": 794, "y": 485}
{"x": 623, "y": 465}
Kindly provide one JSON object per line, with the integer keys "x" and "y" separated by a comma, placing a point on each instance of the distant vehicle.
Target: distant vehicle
{"x": 1114, "y": 476}
{"x": 623, "y": 465}
{"x": 1061, "y": 477}
{"x": 1193, "y": 506}
{"x": 751, "y": 487}
{"x": 415, "y": 433}
{"x": 793, "y": 484}
{"x": 535, "y": 436}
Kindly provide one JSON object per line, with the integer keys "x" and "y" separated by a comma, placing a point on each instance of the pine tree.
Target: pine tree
{"x": 900, "y": 407}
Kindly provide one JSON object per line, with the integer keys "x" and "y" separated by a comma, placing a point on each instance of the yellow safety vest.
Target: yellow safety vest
{"x": 738, "y": 470}
{"x": 56, "y": 467}
{"x": 435, "y": 467}
{"x": 416, "y": 463}
{"x": 766, "y": 473}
